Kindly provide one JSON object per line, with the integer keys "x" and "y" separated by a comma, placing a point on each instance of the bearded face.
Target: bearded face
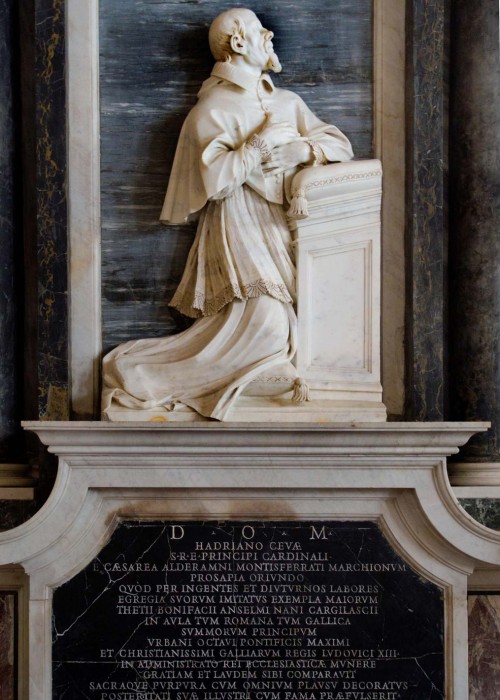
{"x": 273, "y": 63}
{"x": 259, "y": 50}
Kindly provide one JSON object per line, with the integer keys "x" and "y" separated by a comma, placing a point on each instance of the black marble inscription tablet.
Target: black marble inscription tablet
{"x": 248, "y": 611}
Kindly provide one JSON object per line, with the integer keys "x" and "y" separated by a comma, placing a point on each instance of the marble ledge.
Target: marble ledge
{"x": 16, "y": 483}
{"x": 477, "y": 492}
{"x": 439, "y": 439}
{"x": 16, "y": 493}
{"x": 471, "y": 474}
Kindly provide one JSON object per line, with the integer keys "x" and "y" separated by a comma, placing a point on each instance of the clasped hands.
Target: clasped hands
{"x": 286, "y": 146}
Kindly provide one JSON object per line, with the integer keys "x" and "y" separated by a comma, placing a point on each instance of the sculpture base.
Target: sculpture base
{"x": 264, "y": 409}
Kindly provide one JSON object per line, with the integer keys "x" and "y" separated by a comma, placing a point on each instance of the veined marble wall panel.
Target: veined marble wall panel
{"x": 14, "y": 633}
{"x": 426, "y": 208}
{"x": 484, "y": 647}
{"x": 52, "y": 244}
{"x": 13, "y": 513}
{"x": 153, "y": 58}
{"x": 485, "y": 510}
{"x": 474, "y": 323}
{"x": 7, "y": 645}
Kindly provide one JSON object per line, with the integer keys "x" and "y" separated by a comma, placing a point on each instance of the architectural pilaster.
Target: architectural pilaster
{"x": 474, "y": 329}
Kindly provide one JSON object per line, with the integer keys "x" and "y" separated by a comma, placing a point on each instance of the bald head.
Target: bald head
{"x": 238, "y": 36}
{"x": 226, "y": 25}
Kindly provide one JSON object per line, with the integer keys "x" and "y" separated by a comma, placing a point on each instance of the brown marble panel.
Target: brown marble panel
{"x": 484, "y": 647}
{"x": 7, "y": 646}
{"x": 52, "y": 320}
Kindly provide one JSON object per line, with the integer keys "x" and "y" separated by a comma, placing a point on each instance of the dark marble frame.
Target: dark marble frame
{"x": 426, "y": 216}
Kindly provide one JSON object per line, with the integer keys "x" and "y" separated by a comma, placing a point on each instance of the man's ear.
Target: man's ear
{"x": 238, "y": 44}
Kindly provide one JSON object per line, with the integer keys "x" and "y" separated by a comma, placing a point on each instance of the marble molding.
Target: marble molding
{"x": 389, "y": 147}
{"x": 475, "y": 474}
{"x": 84, "y": 219}
{"x": 110, "y": 472}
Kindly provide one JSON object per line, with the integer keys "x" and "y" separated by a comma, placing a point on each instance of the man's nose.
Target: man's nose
{"x": 268, "y": 35}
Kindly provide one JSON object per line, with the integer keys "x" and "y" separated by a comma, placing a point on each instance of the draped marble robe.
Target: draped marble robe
{"x": 239, "y": 280}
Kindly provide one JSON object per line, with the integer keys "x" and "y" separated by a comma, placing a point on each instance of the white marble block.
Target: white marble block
{"x": 338, "y": 283}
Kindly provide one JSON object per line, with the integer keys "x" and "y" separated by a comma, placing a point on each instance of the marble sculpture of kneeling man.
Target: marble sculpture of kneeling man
{"x": 238, "y": 150}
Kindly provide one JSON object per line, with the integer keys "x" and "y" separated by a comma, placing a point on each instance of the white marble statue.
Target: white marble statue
{"x": 238, "y": 150}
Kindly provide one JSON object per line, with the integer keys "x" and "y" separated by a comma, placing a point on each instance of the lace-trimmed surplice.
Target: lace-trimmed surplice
{"x": 242, "y": 250}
